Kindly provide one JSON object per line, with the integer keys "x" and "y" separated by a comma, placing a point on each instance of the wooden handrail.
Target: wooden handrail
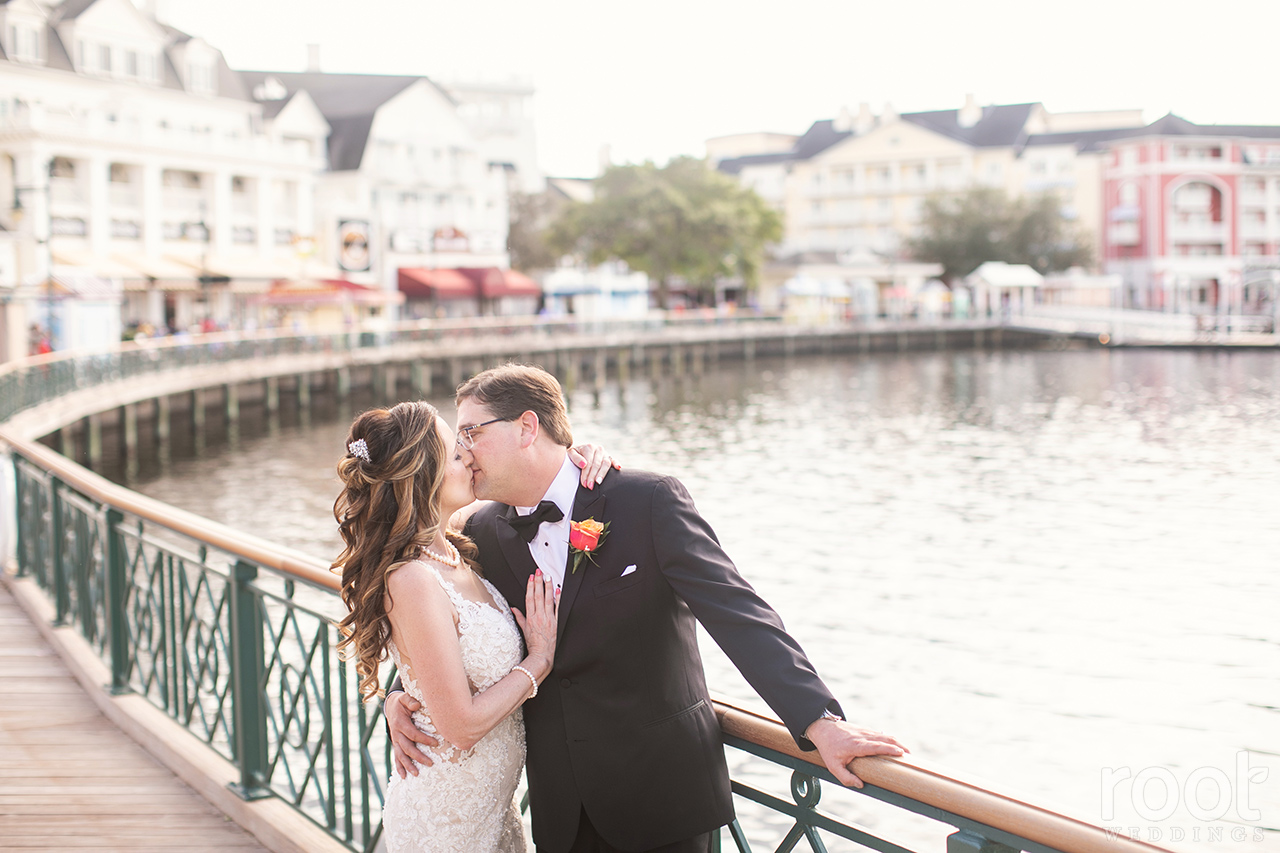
{"x": 904, "y": 776}
{"x": 287, "y": 561}
{"x": 943, "y": 790}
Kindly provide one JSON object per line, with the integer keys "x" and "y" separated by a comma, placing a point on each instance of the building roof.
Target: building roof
{"x": 347, "y": 101}
{"x": 347, "y": 140}
{"x": 1000, "y": 124}
{"x": 820, "y": 136}
{"x": 174, "y": 35}
{"x": 735, "y": 165}
{"x": 58, "y": 56}
{"x": 573, "y": 189}
{"x": 1166, "y": 126}
{"x": 339, "y": 95}
{"x": 1001, "y": 274}
{"x": 71, "y": 9}
{"x": 230, "y": 84}
{"x": 271, "y": 109}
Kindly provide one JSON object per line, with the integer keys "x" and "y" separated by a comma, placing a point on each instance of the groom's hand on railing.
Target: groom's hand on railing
{"x": 405, "y": 736}
{"x": 839, "y": 743}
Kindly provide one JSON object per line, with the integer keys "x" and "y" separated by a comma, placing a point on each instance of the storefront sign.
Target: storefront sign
{"x": 450, "y": 240}
{"x": 353, "y": 240}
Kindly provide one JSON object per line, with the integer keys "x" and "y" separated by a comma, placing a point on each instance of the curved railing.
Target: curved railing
{"x": 39, "y": 379}
{"x": 234, "y": 637}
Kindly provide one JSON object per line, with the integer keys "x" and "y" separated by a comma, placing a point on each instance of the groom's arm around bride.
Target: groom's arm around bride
{"x": 622, "y": 739}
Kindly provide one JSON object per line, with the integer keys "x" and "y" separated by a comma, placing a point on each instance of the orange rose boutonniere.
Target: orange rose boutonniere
{"x": 584, "y": 538}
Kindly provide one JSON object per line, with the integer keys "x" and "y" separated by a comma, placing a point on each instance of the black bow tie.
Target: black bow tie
{"x": 527, "y": 525}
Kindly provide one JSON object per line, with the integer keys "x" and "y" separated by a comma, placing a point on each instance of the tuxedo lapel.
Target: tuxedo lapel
{"x": 516, "y": 550}
{"x": 586, "y": 504}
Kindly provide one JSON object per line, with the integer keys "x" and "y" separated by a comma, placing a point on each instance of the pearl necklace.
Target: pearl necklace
{"x": 453, "y": 559}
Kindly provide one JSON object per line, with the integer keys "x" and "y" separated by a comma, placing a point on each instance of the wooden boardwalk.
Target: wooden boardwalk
{"x": 70, "y": 780}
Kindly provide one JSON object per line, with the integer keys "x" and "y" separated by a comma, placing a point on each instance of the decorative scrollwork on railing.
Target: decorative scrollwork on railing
{"x": 249, "y": 664}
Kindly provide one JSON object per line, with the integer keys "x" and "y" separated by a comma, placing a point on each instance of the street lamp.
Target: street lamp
{"x": 17, "y": 214}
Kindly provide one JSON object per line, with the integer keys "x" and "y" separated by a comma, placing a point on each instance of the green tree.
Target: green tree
{"x": 527, "y": 236}
{"x": 682, "y": 220}
{"x": 961, "y": 231}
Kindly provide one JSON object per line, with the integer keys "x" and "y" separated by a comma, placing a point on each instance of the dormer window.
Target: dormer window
{"x": 200, "y": 78}
{"x": 25, "y": 43}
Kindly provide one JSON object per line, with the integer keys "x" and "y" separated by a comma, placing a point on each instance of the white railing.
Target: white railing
{"x": 1119, "y": 325}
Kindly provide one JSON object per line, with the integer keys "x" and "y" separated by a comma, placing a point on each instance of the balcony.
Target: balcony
{"x": 1198, "y": 232}
{"x": 1254, "y": 230}
{"x": 124, "y": 196}
{"x": 67, "y": 192}
{"x": 243, "y": 206}
{"x": 186, "y": 202}
{"x": 1124, "y": 234}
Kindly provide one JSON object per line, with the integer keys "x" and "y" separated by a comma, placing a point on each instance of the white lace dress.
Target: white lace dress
{"x": 465, "y": 801}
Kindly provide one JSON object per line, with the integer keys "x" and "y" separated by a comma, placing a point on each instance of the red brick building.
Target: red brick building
{"x": 1192, "y": 216}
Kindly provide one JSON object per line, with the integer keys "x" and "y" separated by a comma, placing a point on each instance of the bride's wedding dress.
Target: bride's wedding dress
{"x": 465, "y": 801}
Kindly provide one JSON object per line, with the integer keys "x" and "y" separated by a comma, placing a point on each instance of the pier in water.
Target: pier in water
{"x": 1043, "y": 568}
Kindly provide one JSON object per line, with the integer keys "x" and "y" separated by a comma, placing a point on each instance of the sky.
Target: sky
{"x": 656, "y": 79}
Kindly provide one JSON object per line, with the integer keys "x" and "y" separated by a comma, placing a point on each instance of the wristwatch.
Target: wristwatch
{"x": 827, "y": 714}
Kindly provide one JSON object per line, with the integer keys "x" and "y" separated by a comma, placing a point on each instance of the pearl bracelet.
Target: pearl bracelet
{"x": 532, "y": 680}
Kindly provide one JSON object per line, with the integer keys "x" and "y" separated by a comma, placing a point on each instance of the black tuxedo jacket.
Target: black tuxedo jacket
{"x": 623, "y": 726}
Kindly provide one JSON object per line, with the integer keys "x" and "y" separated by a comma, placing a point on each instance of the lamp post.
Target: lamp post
{"x": 18, "y": 213}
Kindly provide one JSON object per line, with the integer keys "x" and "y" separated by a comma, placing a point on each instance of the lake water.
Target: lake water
{"x": 1059, "y": 572}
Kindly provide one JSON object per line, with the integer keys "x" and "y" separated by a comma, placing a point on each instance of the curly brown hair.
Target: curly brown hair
{"x": 388, "y": 510}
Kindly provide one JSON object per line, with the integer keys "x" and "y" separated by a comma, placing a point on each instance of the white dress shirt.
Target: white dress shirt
{"x": 550, "y": 546}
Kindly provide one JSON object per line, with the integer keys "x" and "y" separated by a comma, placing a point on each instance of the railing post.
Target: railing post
{"x": 247, "y": 678}
{"x": 61, "y": 583}
{"x": 117, "y": 593}
{"x": 18, "y": 521}
{"x": 967, "y": 841}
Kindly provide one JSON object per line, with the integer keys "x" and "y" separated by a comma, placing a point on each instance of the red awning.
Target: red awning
{"x": 326, "y": 291}
{"x": 422, "y": 283}
{"x": 494, "y": 282}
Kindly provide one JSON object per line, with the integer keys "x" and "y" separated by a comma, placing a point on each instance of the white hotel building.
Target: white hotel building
{"x": 142, "y": 181}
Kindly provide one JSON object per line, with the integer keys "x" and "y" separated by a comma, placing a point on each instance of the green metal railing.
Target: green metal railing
{"x": 235, "y": 639}
{"x": 241, "y": 655}
{"x": 32, "y": 381}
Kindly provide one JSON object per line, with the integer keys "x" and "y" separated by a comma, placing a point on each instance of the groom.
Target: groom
{"x": 624, "y": 750}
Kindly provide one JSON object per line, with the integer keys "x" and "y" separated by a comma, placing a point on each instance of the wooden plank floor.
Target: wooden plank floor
{"x": 69, "y": 780}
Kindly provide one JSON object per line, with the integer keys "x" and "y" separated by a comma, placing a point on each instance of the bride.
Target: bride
{"x": 414, "y": 594}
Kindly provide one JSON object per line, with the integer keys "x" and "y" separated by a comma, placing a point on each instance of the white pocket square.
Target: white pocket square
{"x": 628, "y": 570}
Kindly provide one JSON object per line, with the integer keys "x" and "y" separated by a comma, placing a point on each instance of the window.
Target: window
{"x": 24, "y": 43}
{"x": 200, "y": 78}
{"x": 104, "y": 58}
{"x": 131, "y": 63}
{"x": 63, "y": 167}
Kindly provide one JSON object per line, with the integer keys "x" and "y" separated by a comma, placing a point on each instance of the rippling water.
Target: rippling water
{"x": 1029, "y": 566}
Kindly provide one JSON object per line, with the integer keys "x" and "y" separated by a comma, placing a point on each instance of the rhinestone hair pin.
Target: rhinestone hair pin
{"x": 360, "y": 449}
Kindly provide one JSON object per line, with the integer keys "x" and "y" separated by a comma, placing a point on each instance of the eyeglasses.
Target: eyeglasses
{"x": 466, "y": 440}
